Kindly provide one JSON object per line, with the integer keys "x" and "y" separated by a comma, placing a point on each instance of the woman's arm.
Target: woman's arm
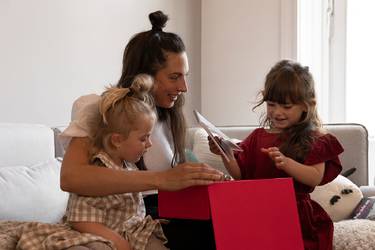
{"x": 308, "y": 175}
{"x": 77, "y": 176}
{"x": 102, "y": 231}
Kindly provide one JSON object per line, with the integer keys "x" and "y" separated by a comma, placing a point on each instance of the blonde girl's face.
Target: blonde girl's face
{"x": 170, "y": 81}
{"x": 138, "y": 141}
{"x": 283, "y": 116}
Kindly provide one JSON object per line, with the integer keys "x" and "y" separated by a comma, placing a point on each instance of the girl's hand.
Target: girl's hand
{"x": 213, "y": 147}
{"x": 188, "y": 174}
{"x": 310, "y": 175}
{"x": 280, "y": 160}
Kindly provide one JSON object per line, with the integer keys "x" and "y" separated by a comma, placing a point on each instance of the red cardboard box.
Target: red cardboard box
{"x": 246, "y": 214}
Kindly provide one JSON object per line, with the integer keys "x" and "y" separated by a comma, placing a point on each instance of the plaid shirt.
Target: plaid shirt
{"x": 123, "y": 213}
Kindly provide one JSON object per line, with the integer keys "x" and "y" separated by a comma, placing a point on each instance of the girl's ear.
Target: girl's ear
{"x": 116, "y": 139}
{"x": 305, "y": 108}
{"x": 312, "y": 104}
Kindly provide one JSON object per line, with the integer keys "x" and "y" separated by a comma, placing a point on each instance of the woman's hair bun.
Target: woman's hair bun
{"x": 158, "y": 20}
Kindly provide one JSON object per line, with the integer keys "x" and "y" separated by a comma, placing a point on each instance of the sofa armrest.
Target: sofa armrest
{"x": 367, "y": 191}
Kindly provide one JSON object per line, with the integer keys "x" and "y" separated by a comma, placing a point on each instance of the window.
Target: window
{"x": 334, "y": 39}
{"x": 360, "y": 54}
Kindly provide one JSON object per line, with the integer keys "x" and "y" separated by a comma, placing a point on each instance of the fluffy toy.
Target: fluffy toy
{"x": 339, "y": 198}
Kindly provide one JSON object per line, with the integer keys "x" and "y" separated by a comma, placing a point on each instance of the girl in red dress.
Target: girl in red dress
{"x": 292, "y": 143}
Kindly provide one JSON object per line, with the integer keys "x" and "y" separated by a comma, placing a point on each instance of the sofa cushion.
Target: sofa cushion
{"x": 202, "y": 151}
{"x": 32, "y": 193}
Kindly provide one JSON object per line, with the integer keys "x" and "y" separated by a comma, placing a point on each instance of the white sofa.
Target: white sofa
{"x": 29, "y": 174}
{"x": 29, "y": 171}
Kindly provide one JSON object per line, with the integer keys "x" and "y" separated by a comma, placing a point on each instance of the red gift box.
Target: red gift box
{"x": 246, "y": 214}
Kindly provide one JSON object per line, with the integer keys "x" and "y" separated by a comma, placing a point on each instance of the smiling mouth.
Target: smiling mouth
{"x": 279, "y": 120}
{"x": 173, "y": 97}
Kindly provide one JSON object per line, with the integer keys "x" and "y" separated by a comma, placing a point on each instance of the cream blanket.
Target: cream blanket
{"x": 354, "y": 235}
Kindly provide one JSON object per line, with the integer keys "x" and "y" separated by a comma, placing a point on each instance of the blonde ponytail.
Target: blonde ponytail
{"x": 120, "y": 109}
{"x": 109, "y": 100}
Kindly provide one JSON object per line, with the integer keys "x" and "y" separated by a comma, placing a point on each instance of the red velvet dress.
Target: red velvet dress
{"x": 317, "y": 227}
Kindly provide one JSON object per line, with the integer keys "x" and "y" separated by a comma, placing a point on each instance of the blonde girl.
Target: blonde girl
{"x": 121, "y": 136}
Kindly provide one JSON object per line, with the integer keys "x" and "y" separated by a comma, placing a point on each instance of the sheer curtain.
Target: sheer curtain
{"x": 335, "y": 39}
{"x": 360, "y": 80}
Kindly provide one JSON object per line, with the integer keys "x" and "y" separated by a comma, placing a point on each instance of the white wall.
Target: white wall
{"x": 51, "y": 52}
{"x": 241, "y": 40}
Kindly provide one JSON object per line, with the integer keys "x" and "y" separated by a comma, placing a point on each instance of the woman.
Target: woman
{"x": 161, "y": 55}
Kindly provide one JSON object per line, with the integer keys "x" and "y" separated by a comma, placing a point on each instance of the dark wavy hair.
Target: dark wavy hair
{"x": 146, "y": 53}
{"x": 289, "y": 82}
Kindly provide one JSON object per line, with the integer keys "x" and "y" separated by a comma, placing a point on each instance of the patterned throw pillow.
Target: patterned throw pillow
{"x": 365, "y": 209}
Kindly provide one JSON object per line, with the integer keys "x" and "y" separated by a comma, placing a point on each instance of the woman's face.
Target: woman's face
{"x": 170, "y": 81}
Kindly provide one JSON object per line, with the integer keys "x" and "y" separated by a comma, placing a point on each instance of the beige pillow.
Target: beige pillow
{"x": 202, "y": 151}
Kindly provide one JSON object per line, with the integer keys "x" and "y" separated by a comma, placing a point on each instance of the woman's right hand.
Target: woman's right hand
{"x": 188, "y": 174}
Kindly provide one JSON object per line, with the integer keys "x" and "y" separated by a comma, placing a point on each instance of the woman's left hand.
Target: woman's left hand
{"x": 280, "y": 160}
{"x": 186, "y": 175}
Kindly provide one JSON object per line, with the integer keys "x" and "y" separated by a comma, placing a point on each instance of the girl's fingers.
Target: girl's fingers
{"x": 275, "y": 155}
{"x": 270, "y": 149}
{"x": 273, "y": 149}
{"x": 264, "y": 150}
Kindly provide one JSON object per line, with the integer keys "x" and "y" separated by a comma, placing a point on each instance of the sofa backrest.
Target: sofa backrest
{"x": 25, "y": 144}
{"x": 29, "y": 174}
{"x": 353, "y": 137}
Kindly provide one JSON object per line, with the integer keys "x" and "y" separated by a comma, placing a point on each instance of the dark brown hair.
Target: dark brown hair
{"x": 146, "y": 52}
{"x": 289, "y": 82}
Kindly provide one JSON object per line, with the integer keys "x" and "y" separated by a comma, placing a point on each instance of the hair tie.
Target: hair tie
{"x": 130, "y": 91}
{"x": 156, "y": 29}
